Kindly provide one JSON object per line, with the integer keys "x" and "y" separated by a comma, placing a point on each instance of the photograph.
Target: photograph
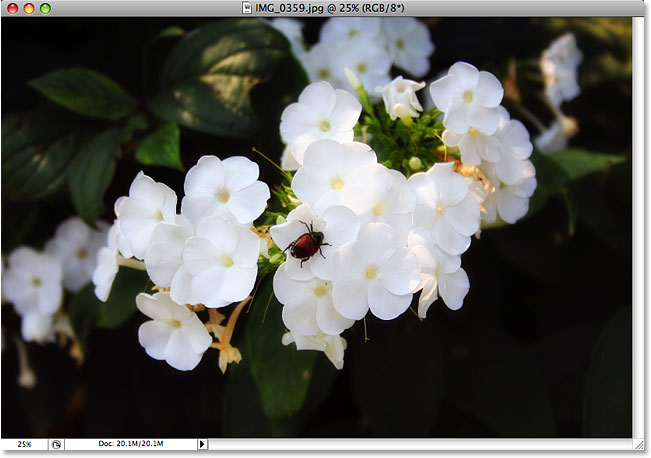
{"x": 328, "y": 228}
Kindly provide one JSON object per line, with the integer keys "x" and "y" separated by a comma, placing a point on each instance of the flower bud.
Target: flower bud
{"x": 415, "y": 163}
{"x": 353, "y": 79}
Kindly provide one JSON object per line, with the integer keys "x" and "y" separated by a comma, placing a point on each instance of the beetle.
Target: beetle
{"x": 306, "y": 245}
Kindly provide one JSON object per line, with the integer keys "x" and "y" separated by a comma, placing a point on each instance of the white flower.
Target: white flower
{"x": 175, "y": 334}
{"x": 308, "y": 306}
{"x": 37, "y": 327}
{"x": 33, "y": 282}
{"x": 400, "y": 99}
{"x": 148, "y": 204}
{"x": 556, "y": 137}
{"x": 123, "y": 245}
{"x": 227, "y": 188}
{"x": 559, "y": 64}
{"x": 441, "y": 274}
{"x": 445, "y": 207}
{"x": 320, "y": 63}
{"x": 293, "y": 31}
{"x": 326, "y": 172}
{"x": 332, "y": 346}
{"x": 222, "y": 260}
{"x": 515, "y": 147}
{"x": 474, "y": 146}
{"x": 376, "y": 271}
{"x": 164, "y": 255}
{"x": 76, "y": 245}
{"x": 379, "y": 194}
{"x": 321, "y": 112}
{"x": 469, "y": 98}
{"x": 338, "y": 225}
{"x": 107, "y": 265}
{"x": 368, "y": 59}
{"x": 510, "y": 201}
{"x": 409, "y": 44}
{"x": 339, "y": 30}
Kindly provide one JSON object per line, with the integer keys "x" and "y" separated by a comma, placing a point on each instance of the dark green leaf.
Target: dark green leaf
{"x": 155, "y": 54}
{"x": 207, "y": 80}
{"x": 121, "y": 304}
{"x": 494, "y": 379}
{"x": 82, "y": 312}
{"x": 281, "y": 373}
{"x": 85, "y": 92}
{"x": 551, "y": 179}
{"x": 132, "y": 124}
{"x": 91, "y": 172}
{"x": 36, "y": 149}
{"x": 579, "y": 163}
{"x": 608, "y": 393}
{"x": 161, "y": 147}
{"x": 554, "y": 171}
{"x": 86, "y": 311}
{"x": 398, "y": 377}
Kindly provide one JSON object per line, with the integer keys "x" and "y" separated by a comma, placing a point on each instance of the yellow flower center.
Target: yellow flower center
{"x": 371, "y": 272}
{"x": 159, "y": 215}
{"x": 337, "y": 183}
{"x": 320, "y": 291}
{"x": 176, "y": 323}
{"x": 325, "y": 125}
{"x": 324, "y": 74}
{"x": 352, "y": 33}
{"x": 378, "y": 209}
{"x": 223, "y": 196}
{"x": 467, "y": 96}
{"x": 227, "y": 261}
{"x": 82, "y": 254}
{"x": 361, "y": 67}
{"x": 36, "y": 281}
{"x": 400, "y": 44}
{"x": 439, "y": 210}
{"x": 474, "y": 132}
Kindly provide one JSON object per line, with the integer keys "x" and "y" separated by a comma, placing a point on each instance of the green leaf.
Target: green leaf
{"x": 121, "y": 303}
{"x": 608, "y": 393}
{"x": 155, "y": 54}
{"x": 131, "y": 125}
{"x": 86, "y": 311}
{"x": 494, "y": 379}
{"x": 551, "y": 178}
{"x": 83, "y": 310}
{"x": 85, "y": 92}
{"x": 281, "y": 373}
{"x": 579, "y": 163}
{"x": 398, "y": 377}
{"x": 209, "y": 76}
{"x": 91, "y": 172}
{"x": 161, "y": 147}
{"x": 36, "y": 149}
{"x": 555, "y": 171}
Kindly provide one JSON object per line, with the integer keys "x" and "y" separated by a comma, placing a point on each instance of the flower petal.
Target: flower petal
{"x": 299, "y": 315}
{"x": 384, "y": 304}
{"x": 484, "y": 119}
{"x": 349, "y": 298}
{"x": 489, "y": 91}
{"x": 329, "y": 320}
{"x": 239, "y": 172}
{"x": 453, "y": 288}
{"x": 179, "y": 353}
{"x": 154, "y": 336}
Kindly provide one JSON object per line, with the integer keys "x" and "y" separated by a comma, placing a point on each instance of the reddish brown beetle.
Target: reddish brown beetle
{"x": 306, "y": 246}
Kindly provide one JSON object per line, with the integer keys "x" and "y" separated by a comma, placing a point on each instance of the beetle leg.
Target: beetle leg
{"x": 309, "y": 228}
{"x": 321, "y": 252}
{"x": 288, "y": 247}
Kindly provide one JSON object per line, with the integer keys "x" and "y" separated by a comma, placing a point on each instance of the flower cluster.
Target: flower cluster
{"x": 203, "y": 257}
{"x": 35, "y": 282}
{"x": 367, "y": 46}
{"x": 367, "y": 238}
{"x": 559, "y": 66}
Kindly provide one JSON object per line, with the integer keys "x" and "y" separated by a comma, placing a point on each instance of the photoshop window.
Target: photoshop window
{"x": 351, "y": 225}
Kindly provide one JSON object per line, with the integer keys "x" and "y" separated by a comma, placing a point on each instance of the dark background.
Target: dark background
{"x": 541, "y": 347}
